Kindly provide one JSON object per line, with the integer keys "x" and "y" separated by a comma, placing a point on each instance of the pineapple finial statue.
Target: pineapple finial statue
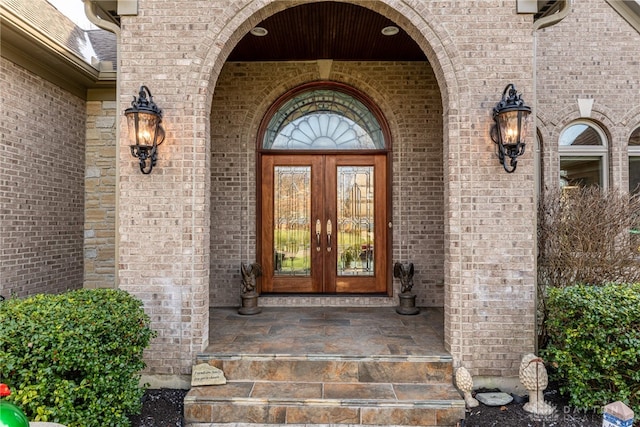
{"x": 533, "y": 375}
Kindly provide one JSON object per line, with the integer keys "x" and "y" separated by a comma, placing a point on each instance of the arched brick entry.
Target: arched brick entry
{"x": 478, "y": 286}
{"x": 434, "y": 91}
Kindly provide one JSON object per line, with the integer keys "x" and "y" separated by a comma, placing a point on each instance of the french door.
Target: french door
{"x": 324, "y": 225}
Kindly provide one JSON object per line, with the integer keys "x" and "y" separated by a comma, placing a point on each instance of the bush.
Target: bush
{"x": 75, "y": 358}
{"x": 584, "y": 236}
{"x": 594, "y": 344}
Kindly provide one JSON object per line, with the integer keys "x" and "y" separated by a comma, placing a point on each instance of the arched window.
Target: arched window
{"x": 583, "y": 156}
{"x": 634, "y": 161}
{"x": 323, "y": 119}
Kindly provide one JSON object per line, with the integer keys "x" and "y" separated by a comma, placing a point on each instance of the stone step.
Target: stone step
{"x": 308, "y": 403}
{"x": 390, "y": 390}
{"x": 333, "y": 368}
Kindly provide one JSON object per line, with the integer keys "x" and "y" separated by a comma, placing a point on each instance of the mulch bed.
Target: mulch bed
{"x": 512, "y": 415}
{"x": 164, "y": 408}
{"x": 161, "y": 408}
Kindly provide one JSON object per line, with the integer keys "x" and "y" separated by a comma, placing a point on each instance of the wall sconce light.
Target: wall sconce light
{"x": 144, "y": 120}
{"x": 509, "y": 131}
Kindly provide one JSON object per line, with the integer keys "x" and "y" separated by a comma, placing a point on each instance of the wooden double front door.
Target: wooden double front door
{"x": 324, "y": 223}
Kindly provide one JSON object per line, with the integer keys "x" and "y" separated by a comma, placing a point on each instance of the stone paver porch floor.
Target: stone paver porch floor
{"x": 327, "y": 366}
{"x": 345, "y": 331}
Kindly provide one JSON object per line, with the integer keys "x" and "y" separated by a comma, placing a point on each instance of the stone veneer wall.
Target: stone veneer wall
{"x": 408, "y": 95}
{"x": 41, "y": 185}
{"x": 590, "y": 54}
{"x": 100, "y": 194}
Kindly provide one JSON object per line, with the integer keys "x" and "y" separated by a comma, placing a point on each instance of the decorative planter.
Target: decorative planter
{"x": 407, "y": 304}
{"x": 250, "y": 304}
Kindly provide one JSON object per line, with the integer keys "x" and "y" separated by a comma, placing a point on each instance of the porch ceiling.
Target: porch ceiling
{"x": 327, "y": 30}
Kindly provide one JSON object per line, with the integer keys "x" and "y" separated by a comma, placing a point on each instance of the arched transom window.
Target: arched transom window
{"x": 323, "y": 119}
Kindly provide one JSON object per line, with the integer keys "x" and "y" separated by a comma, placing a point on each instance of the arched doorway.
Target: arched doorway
{"x": 324, "y": 193}
{"x": 400, "y": 82}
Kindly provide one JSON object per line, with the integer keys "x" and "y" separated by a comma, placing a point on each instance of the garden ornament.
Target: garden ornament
{"x": 10, "y": 414}
{"x": 249, "y": 295}
{"x": 533, "y": 375}
{"x": 405, "y": 274}
{"x": 464, "y": 381}
{"x": 407, "y": 299}
{"x": 249, "y": 274}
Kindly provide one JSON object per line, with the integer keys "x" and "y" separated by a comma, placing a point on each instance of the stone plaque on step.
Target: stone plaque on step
{"x": 494, "y": 399}
{"x": 205, "y": 374}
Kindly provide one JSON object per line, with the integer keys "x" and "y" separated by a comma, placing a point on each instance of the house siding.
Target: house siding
{"x": 488, "y": 289}
{"x": 176, "y": 238}
{"x": 41, "y": 185}
{"x": 591, "y": 54}
{"x": 100, "y": 194}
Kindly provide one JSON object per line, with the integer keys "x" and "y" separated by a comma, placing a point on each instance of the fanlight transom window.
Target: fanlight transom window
{"x": 323, "y": 119}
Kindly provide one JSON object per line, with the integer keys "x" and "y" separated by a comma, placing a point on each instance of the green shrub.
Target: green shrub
{"x": 75, "y": 358}
{"x": 584, "y": 237}
{"x": 594, "y": 344}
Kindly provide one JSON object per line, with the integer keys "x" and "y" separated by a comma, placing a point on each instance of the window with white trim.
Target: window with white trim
{"x": 634, "y": 162}
{"x": 583, "y": 156}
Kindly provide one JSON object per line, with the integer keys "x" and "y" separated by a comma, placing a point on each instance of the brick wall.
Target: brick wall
{"x": 409, "y": 95}
{"x": 475, "y": 254}
{"x": 41, "y": 185}
{"x": 590, "y": 54}
{"x": 474, "y": 47}
{"x": 100, "y": 193}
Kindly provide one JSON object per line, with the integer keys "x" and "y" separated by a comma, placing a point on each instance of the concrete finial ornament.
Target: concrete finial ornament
{"x": 464, "y": 381}
{"x": 533, "y": 376}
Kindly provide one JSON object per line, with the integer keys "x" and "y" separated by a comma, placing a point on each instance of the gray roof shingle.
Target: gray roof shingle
{"x": 46, "y": 19}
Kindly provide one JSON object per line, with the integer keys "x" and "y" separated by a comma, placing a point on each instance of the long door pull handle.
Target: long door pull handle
{"x": 328, "y": 235}
{"x": 318, "y": 233}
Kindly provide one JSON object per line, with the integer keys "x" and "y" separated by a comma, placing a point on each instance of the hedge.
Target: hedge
{"x": 75, "y": 358}
{"x": 594, "y": 345}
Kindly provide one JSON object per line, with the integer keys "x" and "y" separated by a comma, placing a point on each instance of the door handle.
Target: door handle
{"x": 318, "y": 233}
{"x": 328, "y": 235}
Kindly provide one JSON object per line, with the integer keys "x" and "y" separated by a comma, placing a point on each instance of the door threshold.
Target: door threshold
{"x": 302, "y": 294}
{"x": 316, "y": 300}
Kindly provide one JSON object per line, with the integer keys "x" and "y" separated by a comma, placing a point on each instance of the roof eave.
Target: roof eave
{"x": 629, "y": 10}
{"x": 35, "y": 51}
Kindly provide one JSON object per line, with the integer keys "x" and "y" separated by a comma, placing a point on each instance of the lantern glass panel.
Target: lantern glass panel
{"x": 144, "y": 132}
{"x": 513, "y": 126}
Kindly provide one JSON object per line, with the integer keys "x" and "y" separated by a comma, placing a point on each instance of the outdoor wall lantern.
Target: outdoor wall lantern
{"x": 144, "y": 120}
{"x": 509, "y": 131}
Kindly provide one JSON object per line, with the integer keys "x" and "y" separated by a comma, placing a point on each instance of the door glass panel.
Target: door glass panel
{"x": 355, "y": 213}
{"x": 291, "y": 217}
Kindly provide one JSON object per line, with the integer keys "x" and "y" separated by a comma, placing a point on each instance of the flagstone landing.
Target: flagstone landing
{"x": 327, "y": 366}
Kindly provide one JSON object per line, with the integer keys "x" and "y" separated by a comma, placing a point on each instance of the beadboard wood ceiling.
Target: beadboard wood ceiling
{"x": 327, "y": 30}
